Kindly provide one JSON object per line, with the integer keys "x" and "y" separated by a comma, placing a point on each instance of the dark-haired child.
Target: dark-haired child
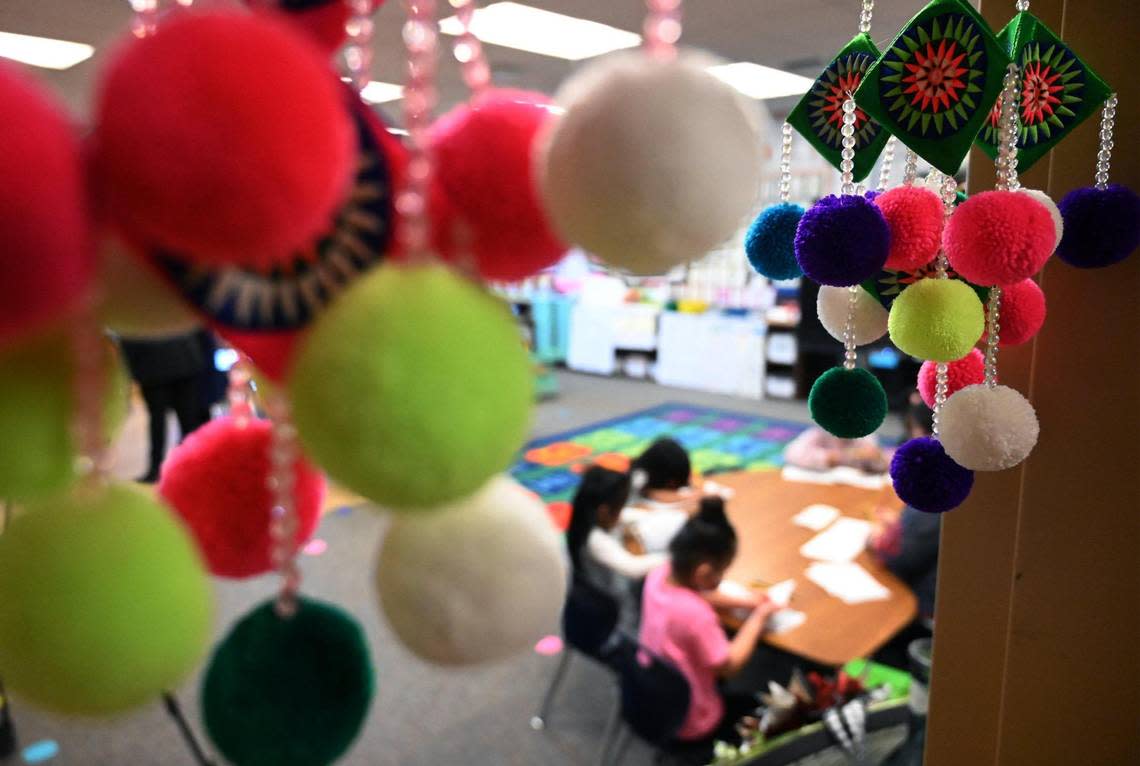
{"x": 596, "y": 549}
{"x": 662, "y": 475}
{"x": 679, "y": 624}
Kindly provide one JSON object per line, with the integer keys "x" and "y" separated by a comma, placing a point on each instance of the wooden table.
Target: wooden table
{"x": 834, "y": 632}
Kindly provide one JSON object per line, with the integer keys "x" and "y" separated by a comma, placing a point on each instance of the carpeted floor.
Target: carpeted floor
{"x": 421, "y": 716}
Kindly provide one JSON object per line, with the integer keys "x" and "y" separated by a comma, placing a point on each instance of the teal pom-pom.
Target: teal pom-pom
{"x": 849, "y": 404}
{"x": 770, "y": 243}
{"x": 288, "y": 691}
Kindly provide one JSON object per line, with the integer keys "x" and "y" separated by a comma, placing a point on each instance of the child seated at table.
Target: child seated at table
{"x": 817, "y": 450}
{"x": 594, "y": 538}
{"x": 662, "y": 476}
{"x": 680, "y": 625}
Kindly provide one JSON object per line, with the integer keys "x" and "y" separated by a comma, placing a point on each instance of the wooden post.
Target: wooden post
{"x": 1037, "y": 649}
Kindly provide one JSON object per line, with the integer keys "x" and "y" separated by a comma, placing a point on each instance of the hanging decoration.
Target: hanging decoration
{"x": 869, "y": 321}
{"x": 1058, "y": 89}
{"x": 1102, "y": 222}
{"x": 990, "y": 427}
{"x": 48, "y": 258}
{"x": 770, "y": 243}
{"x": 601, "y": 174}
{"x": 934, "y": 84}
{"x": 960, "y": 373}
{"x": 818, "y": 116}
{"x": 443, "y": 599}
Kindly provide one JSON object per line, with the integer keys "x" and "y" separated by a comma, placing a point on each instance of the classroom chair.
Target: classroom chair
{"x": 653, "y": 705}
{"x": 589, "y": 620}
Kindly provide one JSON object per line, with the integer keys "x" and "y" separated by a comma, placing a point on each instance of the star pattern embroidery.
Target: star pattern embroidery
{"x": 934, "y": 80}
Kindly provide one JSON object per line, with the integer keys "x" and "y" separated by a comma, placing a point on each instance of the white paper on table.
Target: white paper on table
{"x": 733, "y": 589}
{"x": 843, "y": 474}
{"x": 848, "y": 582}
{"x": 842, "y": 541}
{"x": 785, "y": 620}
{"x": 816, "y": 517}
{"x": 710, "y": 487}
{"x": 781, "y": 592}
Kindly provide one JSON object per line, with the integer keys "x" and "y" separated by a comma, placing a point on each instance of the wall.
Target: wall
{"x": 1037, "y": 661}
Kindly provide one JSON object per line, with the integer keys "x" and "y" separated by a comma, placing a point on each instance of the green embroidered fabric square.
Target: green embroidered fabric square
{"x": 887, "y": 284}
{"x": 1058, "y": 90}
{"x": 934, "y": 85}
{"x": 819, "y": 115}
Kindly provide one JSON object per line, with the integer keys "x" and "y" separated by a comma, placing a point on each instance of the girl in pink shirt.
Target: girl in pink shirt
{"x": 678, "y": 623}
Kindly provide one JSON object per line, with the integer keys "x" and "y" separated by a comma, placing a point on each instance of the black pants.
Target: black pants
{"x": 180, "y": 395}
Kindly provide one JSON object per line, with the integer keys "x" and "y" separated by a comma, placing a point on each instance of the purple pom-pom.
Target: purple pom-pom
{"x": 1102, "y": 226}
{"x": 842, "y": 240}
{"x": 927, "y": 479}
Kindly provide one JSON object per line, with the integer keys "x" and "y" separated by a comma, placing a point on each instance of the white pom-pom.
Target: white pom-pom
{"x": 653, "y": 164}
{"x": 476, "y": 580}
{"x": 1051, "y": 206}
{"x": 870, "y": 316}
{"x": 988, "y": 429}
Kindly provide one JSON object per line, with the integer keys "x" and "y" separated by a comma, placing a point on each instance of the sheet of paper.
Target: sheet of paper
{"x": 785, "y": 620}
{"x": 840, "y": 475}
{"x": 734, "y": 589}
{"x": 816, "y": 517}
{"x": 781, "y": 592}
{"x": 848, "y": 582}
{"x": 842, "y": 541}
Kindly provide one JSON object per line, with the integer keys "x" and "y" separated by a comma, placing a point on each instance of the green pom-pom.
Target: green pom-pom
{"x": 288, "y": 691}
{"x": 937, "y": 319}
{"x": 104, "y": 602}
{"x": 848, "y": 403}
{"x": 414, "y": 388}
{"x": 37, "y": 407}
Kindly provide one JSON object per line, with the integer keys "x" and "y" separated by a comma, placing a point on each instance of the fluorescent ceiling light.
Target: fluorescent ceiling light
{"x": 376, "y": 92}
{"x": 513, "y": 25}
{"x": 761, "y": 82}
{"x": 43, "y": 51}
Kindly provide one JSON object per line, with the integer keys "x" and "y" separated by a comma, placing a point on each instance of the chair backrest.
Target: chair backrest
{"x": 654, "y": 697}
{"x": 589, "y": 616}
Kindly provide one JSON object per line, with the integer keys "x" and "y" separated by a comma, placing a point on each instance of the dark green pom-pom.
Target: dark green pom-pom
{"x": 288, "y": 692}
{"x": 848, "y": 403}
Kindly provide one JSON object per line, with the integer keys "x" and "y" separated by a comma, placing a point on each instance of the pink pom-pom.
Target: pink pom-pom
{"x": 966, "y": 371}
{"x": 914, "y": 214}
{"x": 999, "y": 237}
{"x": 47, "y": 254}
{"x": 483, "y": 154}
{"x": 1022, "y": 312}
{"x": 216, "y": 481}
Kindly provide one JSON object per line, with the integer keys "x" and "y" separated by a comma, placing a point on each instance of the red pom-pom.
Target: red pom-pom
{"x": 483, "y": 151}
{"x": 47, "y": 256}
{"x": 1022, "y": 312}
{"x": 966, "y": 371}
{"x": 194, "y": 153}
{"x": 321, "y": 20}
{"x": 271, "y": 352}
{"x": 999, "y": 237}
{"x": 914, "y": 214}
{"x": 216, "y": 481}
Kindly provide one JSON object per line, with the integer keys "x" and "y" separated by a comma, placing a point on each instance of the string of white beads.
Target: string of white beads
{"x": 786, "y": 163}
{"x": 1104, "y": 154}
{"x": 847, "y": 155}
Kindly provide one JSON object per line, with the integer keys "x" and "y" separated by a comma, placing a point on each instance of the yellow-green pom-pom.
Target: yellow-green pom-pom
{"x": 936, "y": 319}
{"x": 414, "y": 387}
{"x": 37, "y": 409}
{"x": 104, "y": 602}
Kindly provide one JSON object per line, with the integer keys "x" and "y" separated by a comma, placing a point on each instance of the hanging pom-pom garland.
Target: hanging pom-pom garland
{"x": 999, "y": 237}
{"x": 842, "y": 240}
{"x": 989, "y": 427}
{"x": 474, "y": 581}
{"x": 1051, "y": 206}
{"x": 1022, "y": 312}
{"x": 196, "y": 159}
{"x": 770, "y": 243}
{"x": 601, "y": 173}
{"x": 1102, "y": 222}
{"x": 47, "y": 260}
{"x": 288, "y": 692}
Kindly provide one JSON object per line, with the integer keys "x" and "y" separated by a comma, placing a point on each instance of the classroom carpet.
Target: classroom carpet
{"x": 717, "y": 441}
